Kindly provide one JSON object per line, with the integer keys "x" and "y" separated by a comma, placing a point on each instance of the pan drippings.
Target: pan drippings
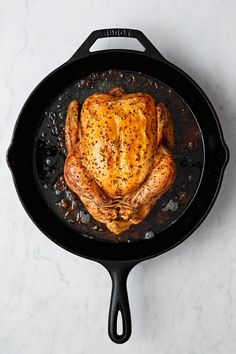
{"x": 51, "y": 152}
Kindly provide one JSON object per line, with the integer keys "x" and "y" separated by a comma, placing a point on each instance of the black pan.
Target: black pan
{"x": 37, "y": 153}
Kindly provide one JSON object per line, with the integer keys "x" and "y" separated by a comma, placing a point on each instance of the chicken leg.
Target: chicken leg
{"x": 78, "y": 178}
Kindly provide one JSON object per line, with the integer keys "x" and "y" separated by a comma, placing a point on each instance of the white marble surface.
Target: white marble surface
{"x": 54, "y": 302}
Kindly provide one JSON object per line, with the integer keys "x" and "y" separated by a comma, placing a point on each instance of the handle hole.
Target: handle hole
{"x": 119, "y": 324}
{"x": 117, "y": 43}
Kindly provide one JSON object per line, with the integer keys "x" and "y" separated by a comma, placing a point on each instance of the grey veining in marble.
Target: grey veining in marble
{"x": 54, "y": 302}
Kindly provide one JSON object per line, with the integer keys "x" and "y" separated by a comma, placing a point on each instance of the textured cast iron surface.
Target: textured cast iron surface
{"x": 50, "y": 155}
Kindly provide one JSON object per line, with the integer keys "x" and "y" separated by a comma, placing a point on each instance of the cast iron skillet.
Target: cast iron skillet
{"x": 117, "y": 257}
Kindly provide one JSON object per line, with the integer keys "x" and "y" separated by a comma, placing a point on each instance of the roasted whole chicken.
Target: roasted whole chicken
{"x": 119, "y": 159}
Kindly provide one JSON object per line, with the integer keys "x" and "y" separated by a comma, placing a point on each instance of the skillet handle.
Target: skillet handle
{"x": 150, "y": 50}
{"x": 119, "y": 301}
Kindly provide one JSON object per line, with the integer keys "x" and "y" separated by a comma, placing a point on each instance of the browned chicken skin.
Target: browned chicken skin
{"x": 119, "y": 161}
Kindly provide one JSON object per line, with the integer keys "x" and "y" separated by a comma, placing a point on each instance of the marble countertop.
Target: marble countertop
{"x": 54, "y": 302}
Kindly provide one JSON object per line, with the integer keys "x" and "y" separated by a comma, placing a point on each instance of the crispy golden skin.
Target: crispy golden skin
{"x": 119, "y": 161}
